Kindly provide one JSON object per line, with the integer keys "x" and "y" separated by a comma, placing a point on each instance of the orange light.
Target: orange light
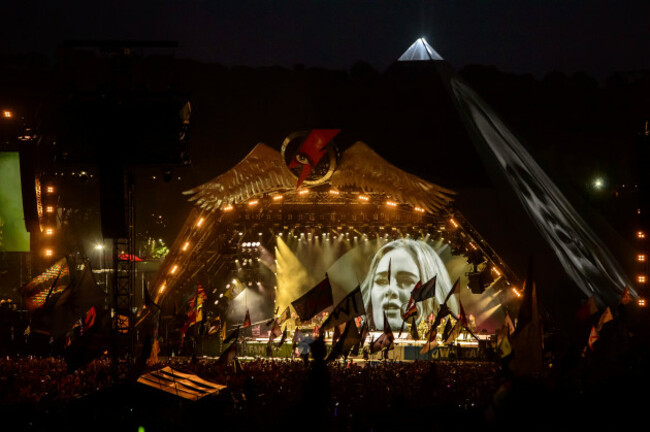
{"x": 253, "y": 203}
{"x": 496, "y": 270}
{"x": 277, "y": 197}
{"x": 472, "y": 245}
{"x": 517, "y": 293}
{"x": 162, "y": 288}
{"x": 173, "y": 270}
{"x": 303, "y": 191}
{"x": 640, "y": 257}
{"x": 199, "y": 222}
{"x": 49, "y": 252}
{"x": 453, "y": 223}
{"x": 419, "y": 209}
{"x": 7, "y": 114}
{"x": 49, "y": 231}
{"x": 391, "y": 203}
{"x": 50, "y": 189}
{"x": 640, "y": 278}
{"x": 49, "y": 209}
{"x": 228, "y": 208}
{"x": 640, "y": 234}
{"x": 185, "y": 246}
{"x": 364, "y": 197}
{"x": 334, "y": 192}
{"x": 641, "y": 302}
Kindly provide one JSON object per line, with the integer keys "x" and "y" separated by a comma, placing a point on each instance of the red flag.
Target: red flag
{"x": 462, "y": 318}
{"x": 89, "y": 320}
{"x": 311, "y": 151}
{"x": 247, "y": 320}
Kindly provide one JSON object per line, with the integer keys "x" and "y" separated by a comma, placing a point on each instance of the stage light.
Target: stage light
{"x": 259, "y": 233}
{"x": 174, "y": 268}
{"x": 98, "y": 246}
{"x": 496, "y": 270}
{"x": 49, "y": 231}
{"x": 49, "y": 209}
{"x": 453, "y": 223}
{"x": 391, "y": 203}
{"x": 640, "y": 278}
{"x": 220, "y": 295}
{"x": 50, "y": 189}
{"x": 640, "y": 258}
{"x": 419, "y": 209}
{"x": 364, "y": 198}
{"x": 253, "y": 203}
{"x": 185, "y": 246}
{"x": 7, "y": 114}
{"x": 303, "y": 191}
{"x": 49, "y": 252}
{"x": 241, "y": 233}
{"x": 472, "y": 245}
{"x": 641, "y": 302}
{"x": 199, "y": 222}
{"x": 228, "y": 208}
{"x": 640, "y": 234}
{"x": 517, "y": 293}
{"x": 334, "y": 192}
{"x": 162, "y": 288}
{"x": 216, "y": 302}
{"x": 277, "y": 197}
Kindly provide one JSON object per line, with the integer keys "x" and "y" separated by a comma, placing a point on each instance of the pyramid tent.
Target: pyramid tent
{"x": 420, "y": 50}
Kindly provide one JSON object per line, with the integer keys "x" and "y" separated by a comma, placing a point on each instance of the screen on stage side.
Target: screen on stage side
{"x": 385, "y": 269}
{"x": 13, "y": 234}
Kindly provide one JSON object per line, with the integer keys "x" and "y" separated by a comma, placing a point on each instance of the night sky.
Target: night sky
{"x": 598, "y": 37}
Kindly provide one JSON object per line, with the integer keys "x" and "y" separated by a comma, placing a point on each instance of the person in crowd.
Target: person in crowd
{"x": 394, "y": 271}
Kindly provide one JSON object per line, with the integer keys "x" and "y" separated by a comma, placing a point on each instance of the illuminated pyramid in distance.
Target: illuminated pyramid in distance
{"x": 420, "y": 51}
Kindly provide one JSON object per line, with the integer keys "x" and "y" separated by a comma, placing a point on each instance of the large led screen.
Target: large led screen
{"x": 386, "y": 269}
{"x": 13, "y": 234}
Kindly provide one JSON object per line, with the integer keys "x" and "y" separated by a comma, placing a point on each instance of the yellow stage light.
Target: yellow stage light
{"x": 49, "y": 252}
{"x": 174, "y": 268}
{"x": 303, "y": 191}
{"x": 640, "y": 257}
{"x": 453, "y": 223}
{"x": 228, "y": 208}
{"x": 364, "y": 197}
{"x": 185, "y": 246}
{"x": 253, "y": 203}
{"x": 49, "y": 231}
{"x": 7, "y": 114}
{"x": 200, "y": 222}
{"x": 277, "y": 197}
{"x": 334, "y": 192}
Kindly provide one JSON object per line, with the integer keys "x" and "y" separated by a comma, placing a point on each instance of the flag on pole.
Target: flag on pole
{"x": 285, "y": 316}
{"x": 526, "y": 341}
{"x": 426, "y": 291}
{"x": 431, "y": 341}
{"x": 593, "y": 338}
{"x": 385, "y": 340}
{"x": 362, "y": 340}
{"x": 283, "y": 338}
{"x": 276, "y": 330}
{"x": 314, "y": 301}
{"x": 247, "y": 320}
{"x": 604, "y": 319}
{"x": 414, "y": 330}
{"x": 447, "y": 331}
{"x": 348, "y": 340}
{"x": 453, "y": 334}
{"x": 350, "y": 307}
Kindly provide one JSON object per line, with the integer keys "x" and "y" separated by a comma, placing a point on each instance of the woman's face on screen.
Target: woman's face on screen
{"x": 391, "y": 296}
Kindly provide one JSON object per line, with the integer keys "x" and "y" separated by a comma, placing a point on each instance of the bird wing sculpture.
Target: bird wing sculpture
{"x": 364, "y": 169}
{"x": 261, "y": 171}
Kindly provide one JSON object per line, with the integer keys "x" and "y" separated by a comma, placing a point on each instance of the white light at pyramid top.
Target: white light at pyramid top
{"x": 420, "y": 51}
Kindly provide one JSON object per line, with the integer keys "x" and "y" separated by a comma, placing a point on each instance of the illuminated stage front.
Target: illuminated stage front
{"x": 255, "y": 242}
